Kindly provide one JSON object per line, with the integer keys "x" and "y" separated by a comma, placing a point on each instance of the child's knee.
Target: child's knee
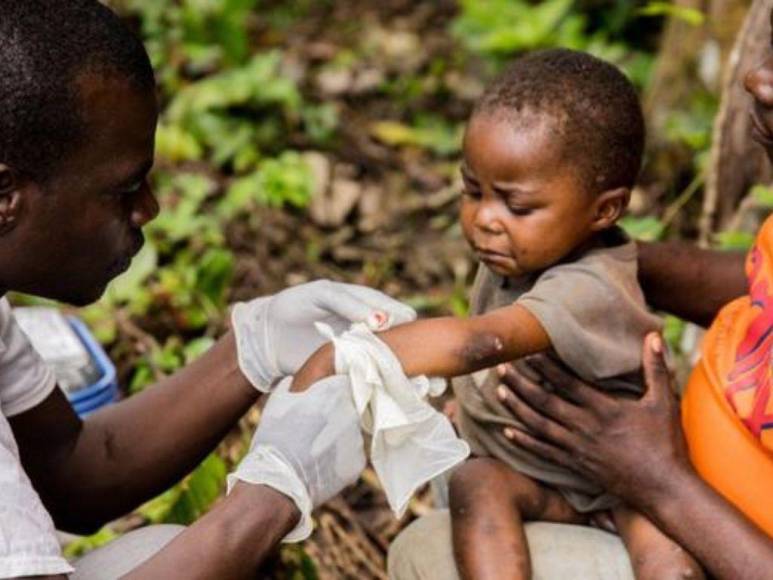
{"x": 470, "y": 481}
{"x": 462, "y": 484}
{"x": 485, "y": 480}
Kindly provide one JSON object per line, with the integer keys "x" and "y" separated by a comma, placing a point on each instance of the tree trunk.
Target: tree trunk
{"x": 737, "y": 162}
{"x": 691, "y": 60}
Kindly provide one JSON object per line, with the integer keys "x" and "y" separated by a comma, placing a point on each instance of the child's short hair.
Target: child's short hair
{"x": 594, "y": 108}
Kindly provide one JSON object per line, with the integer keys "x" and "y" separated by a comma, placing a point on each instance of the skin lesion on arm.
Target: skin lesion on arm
{"x": 447, "y": 347}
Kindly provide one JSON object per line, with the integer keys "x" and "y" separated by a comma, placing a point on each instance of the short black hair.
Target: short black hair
{"x": 593, "y": 107}
{"x": 44, "y": 46}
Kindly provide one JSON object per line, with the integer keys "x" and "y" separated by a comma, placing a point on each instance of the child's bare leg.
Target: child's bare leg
{"x": 489, "y": 503}
{"x": 654, "y": 556}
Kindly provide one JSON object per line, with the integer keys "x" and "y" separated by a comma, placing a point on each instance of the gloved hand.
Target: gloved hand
{"x": 276, "y": 334}
{"x": 308, "y": 446}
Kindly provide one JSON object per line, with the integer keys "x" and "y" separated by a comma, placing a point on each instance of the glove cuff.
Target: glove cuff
{"x": 265, "y": 465}
{"x": 248, "y": 320}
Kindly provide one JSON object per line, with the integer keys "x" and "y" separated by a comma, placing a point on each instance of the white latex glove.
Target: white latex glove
{"x": 411, "y": 441}
{"x": 308, "y": 446}
{"x": 275, "y": 335}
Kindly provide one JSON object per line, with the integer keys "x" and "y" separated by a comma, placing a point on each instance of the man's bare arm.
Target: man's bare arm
{"x": 89, "y": 472}
{"x": 688, "y": 281}
{"x": 231, "y": 541}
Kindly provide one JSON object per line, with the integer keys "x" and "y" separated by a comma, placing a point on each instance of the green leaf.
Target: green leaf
{"x": 81, "y": 546}
{"x": 735, "y": 240}
{"x": 647, "y": 229}
{"x": 197, "y": 347}
{"x": 285, "y": 180}
{"x": 131, "y": 283}
{"x": 174, "y": 143}
{"x": 191, "y": 498}
{"x": 691, "y": 16}
{"x": 214, "y": 275}
{"x": 763, "y": 195}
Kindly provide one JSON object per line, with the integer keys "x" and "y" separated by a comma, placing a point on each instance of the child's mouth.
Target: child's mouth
{"x": 494, "y": 259}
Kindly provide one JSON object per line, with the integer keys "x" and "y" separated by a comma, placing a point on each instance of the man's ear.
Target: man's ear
{"x": 610, "y": 206}
{"x": 10, "y": 199}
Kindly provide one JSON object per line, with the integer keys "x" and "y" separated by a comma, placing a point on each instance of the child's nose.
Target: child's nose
{"x": 486, "y": 220}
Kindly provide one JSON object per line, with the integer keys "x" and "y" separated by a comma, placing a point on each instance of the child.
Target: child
{"x": 551, "y": 152}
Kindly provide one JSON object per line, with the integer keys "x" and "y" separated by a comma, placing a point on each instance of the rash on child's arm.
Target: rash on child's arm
{"x": 482, "y": 349}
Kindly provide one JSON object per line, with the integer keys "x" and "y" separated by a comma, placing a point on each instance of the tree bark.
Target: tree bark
{"x": 691, "y": 59}
{"x": 737, "y": 162}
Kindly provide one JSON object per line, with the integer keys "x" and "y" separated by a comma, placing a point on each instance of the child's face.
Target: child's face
{"x": 523, "y": 209}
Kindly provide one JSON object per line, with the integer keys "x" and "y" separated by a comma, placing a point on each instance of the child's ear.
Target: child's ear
{"x": 610, "y": 206}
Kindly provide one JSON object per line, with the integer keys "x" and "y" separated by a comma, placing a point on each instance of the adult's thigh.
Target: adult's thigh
{"x": 125, "y": 553}
{"x": 558, "y": 551}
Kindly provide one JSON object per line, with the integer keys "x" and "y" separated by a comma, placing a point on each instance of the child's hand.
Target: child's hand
{"x": 317, "y": 367}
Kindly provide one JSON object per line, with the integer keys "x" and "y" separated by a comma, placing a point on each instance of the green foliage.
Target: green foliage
{"x": 692, "y": 125}
{"x": 673, "y": 330}
{"x": 192, "y": 498}
{"x": 80, "y": 546}
{"x": 734, "y": 240}
{"x": 205, "y": 33}
{"x": 286, "y": 179}
{"x": 501, "y": 29}
{"x": 648, "y": 228}
{"x": 762, "y": 196}
{"x": 687, "y": 14}
{"x": 428, "y": 131}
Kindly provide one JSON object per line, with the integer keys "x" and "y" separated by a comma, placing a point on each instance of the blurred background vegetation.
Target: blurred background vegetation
{"x": 305, "y": 139}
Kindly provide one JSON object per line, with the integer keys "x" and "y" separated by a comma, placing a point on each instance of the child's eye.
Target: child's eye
{"x": 516, "y": 210}
{"x": 471, "y": 193}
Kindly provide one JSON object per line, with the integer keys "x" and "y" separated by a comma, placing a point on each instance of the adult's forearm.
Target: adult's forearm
{"x": 725, "y": 542}
{"x": 231, "y": 541}
{"x": 688, "y": 281}
{"x": 131, "y": 451}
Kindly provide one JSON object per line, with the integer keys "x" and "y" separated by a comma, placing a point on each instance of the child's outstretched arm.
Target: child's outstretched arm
{"x": 448, "y": 347}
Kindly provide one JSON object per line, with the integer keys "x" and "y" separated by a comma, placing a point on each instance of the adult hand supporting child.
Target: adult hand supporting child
{"x": 623, "y": 444}
{"x": 636, "y": 449}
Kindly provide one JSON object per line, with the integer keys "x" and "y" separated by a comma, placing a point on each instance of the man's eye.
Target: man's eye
{"x": 131, "y": 189}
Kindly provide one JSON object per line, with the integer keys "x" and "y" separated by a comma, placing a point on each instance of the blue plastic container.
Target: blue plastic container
{"x": 105, "y": 390}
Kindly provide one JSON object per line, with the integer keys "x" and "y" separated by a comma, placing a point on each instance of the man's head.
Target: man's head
{"x": 550, "y": 155}
{"x": 77, "y": 125}
{"x": 759, "y": 84}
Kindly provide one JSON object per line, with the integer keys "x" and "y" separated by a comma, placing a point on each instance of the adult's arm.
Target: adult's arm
{"x": 231, "y": 541}
{"x": 89, "y": 472}
{"x": 284, "y": 475}
{"x": 690, "y": 282}
{"x": 636, "y": 450}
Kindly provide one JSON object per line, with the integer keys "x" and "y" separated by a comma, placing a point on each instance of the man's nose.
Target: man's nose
{"x": 145, "y": 207}
{"x": 759, "y": 82}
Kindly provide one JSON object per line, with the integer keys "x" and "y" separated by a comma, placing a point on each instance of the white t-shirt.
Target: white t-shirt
{"x": 28, "y": 544}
